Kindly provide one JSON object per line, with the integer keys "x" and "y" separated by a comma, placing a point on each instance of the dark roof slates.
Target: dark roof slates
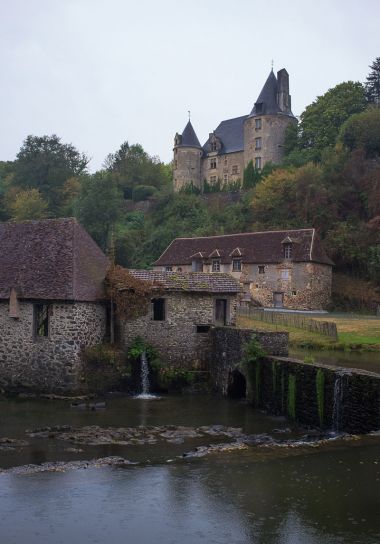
{"x": 199, "y": 282}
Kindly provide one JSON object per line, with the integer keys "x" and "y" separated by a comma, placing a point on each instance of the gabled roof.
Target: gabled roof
{"x": 256, "y": 247}
{"x": 189, "y": 137}
{"x": 199, "y": 282}
{"x": 231, "y": 134}
{"x": 53, "y": 259}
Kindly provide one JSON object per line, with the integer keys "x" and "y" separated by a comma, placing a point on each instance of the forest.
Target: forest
{"x": 329, "y": 179}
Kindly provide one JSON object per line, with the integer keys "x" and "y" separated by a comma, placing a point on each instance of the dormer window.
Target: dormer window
{"x": 288, "y": 251}
{"x": 236, "y": 265}
{"x": 213, "y": 146}
{"x": 215, "y": 265}
{"x": 196, "y": 265}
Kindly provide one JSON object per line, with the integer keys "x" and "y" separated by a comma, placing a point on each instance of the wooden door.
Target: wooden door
{"x": 221, "y": 311}
{"x": 278, "y": 300}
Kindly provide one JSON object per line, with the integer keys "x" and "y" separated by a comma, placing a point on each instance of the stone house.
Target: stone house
{"x": 51, "y": 303}
{"x": 258, "y": 137}
{"x": 179, "y": 319}
{"x": 283, "y": 269}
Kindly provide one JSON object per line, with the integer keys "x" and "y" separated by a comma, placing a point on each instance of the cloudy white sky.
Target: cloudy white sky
{"x": 99, "y": 72}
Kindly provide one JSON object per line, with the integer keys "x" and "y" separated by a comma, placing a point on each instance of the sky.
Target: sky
{"x": 101, "y": 72}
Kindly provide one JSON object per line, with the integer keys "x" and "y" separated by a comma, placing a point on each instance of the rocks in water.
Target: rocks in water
{"x": 11, "y": 443}
{"x": 201, "y": 451}
{"x": 62, "y": 466}
{"x": 48, "y": 432}
{"x": 88, "y": 406}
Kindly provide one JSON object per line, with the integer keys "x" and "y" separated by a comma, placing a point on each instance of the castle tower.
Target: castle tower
{"x": 264, "y": 128}
{"x": 187, "y": 159}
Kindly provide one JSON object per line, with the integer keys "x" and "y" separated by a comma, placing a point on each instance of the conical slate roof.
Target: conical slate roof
{"x": 189, "y": 138}
{"x": 267, "y": 97}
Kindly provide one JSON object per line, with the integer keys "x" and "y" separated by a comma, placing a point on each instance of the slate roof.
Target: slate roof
{"x": 231, "y": 134}
{"x": 268, "y": 98}
{"x": 53, "y": 259}
{"x": 255, "y": 247}
{"x": 189, "y": 137}
{"x": 198, "y": 282}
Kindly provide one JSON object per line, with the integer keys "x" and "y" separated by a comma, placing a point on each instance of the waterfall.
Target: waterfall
{"x": 145, "y": 384}
{"x": 338, "y": 401}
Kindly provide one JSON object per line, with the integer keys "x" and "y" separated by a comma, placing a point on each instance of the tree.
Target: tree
{"x": 45, "y": 163}
{"x": 29, "y": 204}
{"x": 372, "y": 85}
{"x": 362, "y": 130}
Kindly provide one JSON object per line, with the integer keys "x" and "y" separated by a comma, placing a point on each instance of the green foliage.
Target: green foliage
{"x": 143, "y": 192}
{"x": 372, "y": 85}
{"x": 291, "y": 403}
{"x": 362, "y": 130}
{"x": 28, "y": 204}
{"x": 140, "y": 346}
{"x": 309, "y": 359}
{"x": 320, "y": 387}
{"x": 174, "y": 379}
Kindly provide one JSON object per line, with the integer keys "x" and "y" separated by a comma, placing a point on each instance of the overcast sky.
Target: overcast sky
{"x": 99, "y": 72}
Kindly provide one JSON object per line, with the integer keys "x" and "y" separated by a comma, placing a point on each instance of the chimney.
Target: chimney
{"x": 283, "y": 97}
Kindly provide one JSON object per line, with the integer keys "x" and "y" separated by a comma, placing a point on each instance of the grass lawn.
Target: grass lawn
{"x": 354, "y": 332}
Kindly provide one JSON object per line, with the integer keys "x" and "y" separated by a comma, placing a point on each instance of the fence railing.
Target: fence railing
{"x": 327, "y": 328}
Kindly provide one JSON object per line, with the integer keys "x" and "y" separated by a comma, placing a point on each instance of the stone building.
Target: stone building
{"x": 257, "y": 137}
{"x": 51, "y": 303}
{"x": 179, "y": 319}
{"x": 283, "y": 269}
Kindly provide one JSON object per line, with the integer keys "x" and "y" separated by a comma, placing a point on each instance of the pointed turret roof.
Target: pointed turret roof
{"x": 267, "y": 97}
{"x": 189, "y": 138}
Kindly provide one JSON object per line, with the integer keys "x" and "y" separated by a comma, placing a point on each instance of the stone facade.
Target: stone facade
{"x": 258, "y": 137}
{"x": 51, "y": 363}
{"x": 182, "y": 338}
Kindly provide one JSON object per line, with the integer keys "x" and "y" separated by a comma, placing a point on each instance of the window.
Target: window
{"x": 235, "y": 169}
{"x": 158, "y": 309}
{"x": 203, "y": 328}
{"x": 259, "y": 107}
{"x": 212, "y": 179}
{"x": 216, "y": 265}
{"x": 236, "y": 265}
{"x": 225, "y": 161}
{"x": 197, "y": 266}
{"x": 258, "y": 163}
{"x": 261, "y": 268}
{"x": 212, "y": 164}
{"x": 168, "y": 269}
{"x": 179, "y": 269}
{"x": 294, "y": 293}
{"x": 213, "y": 146}
{"x": 285, "y": 274}
{"x": 41, "y": 320}
{"x": 225, "y": 178}
{"x": 257, "y": 124}
{"x": 221, "y": 311}
{"x": 257, "y": 143}
{"x": 287, "y": 251}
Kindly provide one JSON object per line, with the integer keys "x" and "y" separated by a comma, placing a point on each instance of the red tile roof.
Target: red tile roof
{"x": 255, "y": 247}
{"x": 189, "y": 281}
{"x": 53, "y": 259}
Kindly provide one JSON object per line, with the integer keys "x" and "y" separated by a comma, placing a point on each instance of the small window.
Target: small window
{"x": 212, "y": 164}
{"x": 259, "y": 107}
{"x": 294, "y": 293}
{"x": 235, "y": 169}
{"x": 41, "y": 320}
{"x": 158, "y": 309}
{"x": 213, "y": 146}
{"x": 257, "y": 143}
{"x": 196, "y": 266}
{"x": 261, "y": 268}
{"x": 216, "y": 265}
{"x": 288, "y": 251}
{"x": 225, "y": 161}
{"x": 258, "y": 163}
{"x": 236, "y": 265}
{"x": 168, "y": 269}
{"x": 257, "y": 124}
{"x": 285, "y": 274}
{"x": 212, "y": 179}
{"x": 203, "y": 328}
{"x": 225, "y": 178}
{"x": 179, "y": 269}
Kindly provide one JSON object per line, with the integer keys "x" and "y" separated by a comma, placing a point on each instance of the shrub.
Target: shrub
{"x": 143, "y": 192}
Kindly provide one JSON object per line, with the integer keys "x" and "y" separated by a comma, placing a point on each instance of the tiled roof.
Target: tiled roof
{"x": 53, "y": 259}
{"x": 256, "y": 247}
{"x": 189, "y": 137}
{"x": 190, "y": 281}
{"x": 231, "y": 134}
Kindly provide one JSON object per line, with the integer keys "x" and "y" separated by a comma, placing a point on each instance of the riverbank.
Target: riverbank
{"x": 355, "y": 333}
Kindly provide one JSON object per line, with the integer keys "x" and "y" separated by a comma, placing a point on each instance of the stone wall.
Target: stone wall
{"x": 47, "y": 364}
{"x": 317, "y": 395}
{"x": 227, "y": 350}
{"x": 187, "y": 167}
{"x": 229, "y": 168}
{"x": 176, "y": 338}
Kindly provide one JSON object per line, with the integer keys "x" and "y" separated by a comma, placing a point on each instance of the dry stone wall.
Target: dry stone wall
{"x": 47, "y": 364}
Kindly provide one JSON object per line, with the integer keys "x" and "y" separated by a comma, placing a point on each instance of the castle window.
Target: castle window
{"x": 258, "y": 163}
{"x": 212, "y": 164}
{"x": 285, "y": 274}
{"x": 213, "y": 146}
{"x": 236, "y": 265}
{"x": 225, "y": 178}
{"x": 215, "y": 265}
{"x": 158, "y": 309}
{"x": 235, "y": 169}
{"x": 257, "y": 124}
{"x": 41, "y": 320}
{"x": 257, "y": 143}
{"x": 261, "y": 268}
{"x": 287, "y": 251}
{"x": 212, "y": 179}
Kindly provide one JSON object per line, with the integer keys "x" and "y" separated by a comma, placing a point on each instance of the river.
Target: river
{"x": 284, "y": 487}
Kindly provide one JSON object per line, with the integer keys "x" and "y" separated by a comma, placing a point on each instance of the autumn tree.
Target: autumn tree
{"x": 29, "y": 204}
